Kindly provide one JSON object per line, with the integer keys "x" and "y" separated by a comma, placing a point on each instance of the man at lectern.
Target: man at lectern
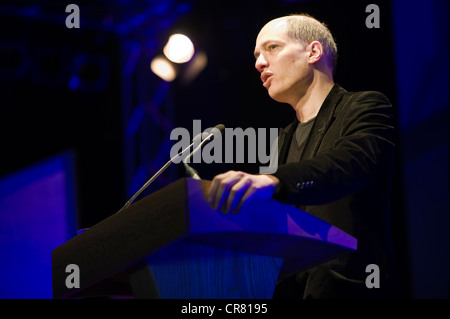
{"x": 335, "y": 159}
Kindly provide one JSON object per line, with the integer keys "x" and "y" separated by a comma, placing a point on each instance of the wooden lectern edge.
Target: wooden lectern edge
{"x": 95, "y": 250}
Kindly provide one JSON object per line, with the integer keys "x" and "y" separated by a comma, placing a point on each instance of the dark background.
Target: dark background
{"x": 78, "y": 90}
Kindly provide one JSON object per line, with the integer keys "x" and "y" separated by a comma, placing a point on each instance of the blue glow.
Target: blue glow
{"x": 37, "y": 214}
{"x": 423, "y": 105}
{"x": 31, "y": 11}
{"x": 135, "y": 121}
{"x": 184, "y": 8}
{"x": 138, "y": 180}
{"x": 160, "y": 95}
{"x": 74, "y": 82}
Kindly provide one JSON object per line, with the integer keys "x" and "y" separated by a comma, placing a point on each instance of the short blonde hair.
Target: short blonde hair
{"x": 307, "y": 29}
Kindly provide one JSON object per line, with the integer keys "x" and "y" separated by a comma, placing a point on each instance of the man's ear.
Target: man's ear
{"x": 315, "y": 51}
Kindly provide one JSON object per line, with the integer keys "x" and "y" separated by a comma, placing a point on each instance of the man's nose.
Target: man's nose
{"x": 261, "y": 63}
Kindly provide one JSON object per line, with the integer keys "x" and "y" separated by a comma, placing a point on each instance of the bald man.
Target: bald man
{"x": 334, "y": 162}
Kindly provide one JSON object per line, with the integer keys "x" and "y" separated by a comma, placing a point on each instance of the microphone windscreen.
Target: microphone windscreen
{"x": 220, "y": 127}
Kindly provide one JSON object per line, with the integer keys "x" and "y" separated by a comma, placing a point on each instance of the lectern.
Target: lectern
{"x": 172, "y": 244}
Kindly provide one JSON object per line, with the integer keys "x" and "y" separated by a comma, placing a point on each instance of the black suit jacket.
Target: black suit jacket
{"x": 344, "y": 177}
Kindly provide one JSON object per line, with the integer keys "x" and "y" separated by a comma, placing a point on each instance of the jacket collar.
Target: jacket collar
{"x": 323, "y": 120}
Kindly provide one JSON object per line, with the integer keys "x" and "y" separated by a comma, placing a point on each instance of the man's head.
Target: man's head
{"x": 303, "y": 27}
{"x": 290, "y": 51}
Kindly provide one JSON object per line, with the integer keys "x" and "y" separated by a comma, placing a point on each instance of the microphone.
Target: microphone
{"x": 195, "y": 140}
{"x": 191, "y": 172}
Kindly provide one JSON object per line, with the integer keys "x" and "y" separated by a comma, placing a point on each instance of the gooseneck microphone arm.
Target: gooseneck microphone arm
{"x": 131, "y": 200}
{"x": 219, "y": 127}
{"x": 191, "y": 172}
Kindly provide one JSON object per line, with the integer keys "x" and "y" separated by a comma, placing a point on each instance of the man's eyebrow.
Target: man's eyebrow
{"x": 256, "y": 52}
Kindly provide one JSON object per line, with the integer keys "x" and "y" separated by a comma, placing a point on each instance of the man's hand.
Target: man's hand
{"x": 230, "y": 190}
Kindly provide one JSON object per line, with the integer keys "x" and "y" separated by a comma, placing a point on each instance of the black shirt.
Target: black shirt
{"x": 299, "y": 140}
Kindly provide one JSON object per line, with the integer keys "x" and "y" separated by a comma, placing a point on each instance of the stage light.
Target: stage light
{"x": 179, "y": 48}
{"x": 163, "y": 68}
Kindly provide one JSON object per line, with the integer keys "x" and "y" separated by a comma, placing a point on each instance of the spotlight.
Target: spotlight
{"x": 179, "y": 48}
{"x": 163, "y": 68}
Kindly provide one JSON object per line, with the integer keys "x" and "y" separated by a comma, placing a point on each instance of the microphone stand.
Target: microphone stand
{"x": 195, "y": 175}
{"x": 190, "y": 171}
{"x": 131, "y": 200}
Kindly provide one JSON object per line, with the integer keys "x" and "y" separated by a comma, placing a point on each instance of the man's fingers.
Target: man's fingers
{"x": 220, "y": 188}
{"x": 236, "y": 194}
{"x": 213, "y": 188}
{"x": 229, "y": 191}
{"x": 249, "y": 194}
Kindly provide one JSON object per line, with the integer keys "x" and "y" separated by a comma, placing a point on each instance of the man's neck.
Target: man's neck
{"x": 308, "y": 106}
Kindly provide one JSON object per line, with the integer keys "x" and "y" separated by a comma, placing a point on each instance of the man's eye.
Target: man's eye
{"x": 272, "y": 47}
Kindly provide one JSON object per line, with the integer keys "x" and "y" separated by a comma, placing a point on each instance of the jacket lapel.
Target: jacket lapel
{"x": 284, "y": 141}
{"x": 323, "y": 120}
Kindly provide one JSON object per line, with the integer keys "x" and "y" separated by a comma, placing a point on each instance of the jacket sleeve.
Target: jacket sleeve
{"x": 362, "y": 141}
